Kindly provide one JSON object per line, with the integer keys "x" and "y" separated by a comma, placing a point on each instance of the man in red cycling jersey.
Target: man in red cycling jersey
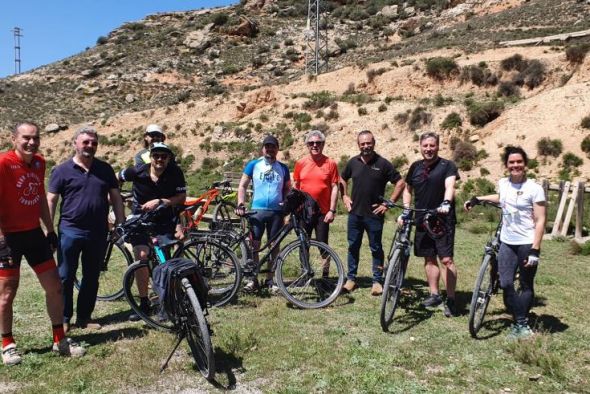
{"x": 22, "y": 204}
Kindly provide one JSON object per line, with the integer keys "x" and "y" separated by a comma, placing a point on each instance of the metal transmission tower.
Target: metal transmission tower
{"x": 17, "y": 35}
{"x": 316, "y": 37}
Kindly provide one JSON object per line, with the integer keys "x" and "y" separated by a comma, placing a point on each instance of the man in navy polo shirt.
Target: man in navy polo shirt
{"x": 432, "y": 181}
{"x": 154, "y": 184}
{"x": 85, "y": 185}
{"x": 369, "y": 173}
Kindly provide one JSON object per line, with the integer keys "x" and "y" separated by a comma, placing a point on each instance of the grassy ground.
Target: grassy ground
{"x": 261, "y": 344}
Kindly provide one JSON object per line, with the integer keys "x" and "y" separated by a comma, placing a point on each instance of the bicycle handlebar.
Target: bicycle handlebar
{"x": 144, "y": 220}
{"x": 391, "y": 204}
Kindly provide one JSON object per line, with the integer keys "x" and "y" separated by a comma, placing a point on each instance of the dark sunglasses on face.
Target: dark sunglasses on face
{"x": 315, "y": 143}
{"x": 160, "y": 156}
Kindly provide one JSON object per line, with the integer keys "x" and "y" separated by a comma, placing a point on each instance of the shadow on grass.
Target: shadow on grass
{"x": 225, "y": 364}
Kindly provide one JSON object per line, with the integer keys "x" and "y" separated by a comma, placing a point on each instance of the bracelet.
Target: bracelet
{"x": 333, "y": 210}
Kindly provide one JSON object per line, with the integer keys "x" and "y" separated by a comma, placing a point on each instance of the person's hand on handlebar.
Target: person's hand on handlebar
{"x": 444, "y": 207}
{"x": 404, "y": 217}
{"x": 471, "y": 203}
{"x": 151, "y": 205}
{"x": 240, "y": 209}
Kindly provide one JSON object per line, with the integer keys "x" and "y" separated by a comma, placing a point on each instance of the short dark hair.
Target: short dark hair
{"x": 511, "y": 150}
{"x": 25, "y": 123}
{"x": 364, "y": 132}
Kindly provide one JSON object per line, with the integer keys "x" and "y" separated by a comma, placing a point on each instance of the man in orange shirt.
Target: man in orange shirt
{"x": 23, "y": 205}
{"x": 317, "y": 175}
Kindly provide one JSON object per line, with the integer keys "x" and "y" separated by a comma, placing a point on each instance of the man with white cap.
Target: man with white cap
{"x": 153, "y": 133}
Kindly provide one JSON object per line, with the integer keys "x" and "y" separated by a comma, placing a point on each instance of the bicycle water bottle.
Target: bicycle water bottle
{"x": 159, "y": 252}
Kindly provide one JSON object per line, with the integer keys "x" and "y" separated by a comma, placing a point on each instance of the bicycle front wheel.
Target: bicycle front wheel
{"x": 197, "y": 330}
{"x": 482, "y": 293}
{"x": 137, "y": 281}
{"x": 392, "y": 288}
{"x": 309, "y": 277}
{"x": 117, "y": 259}
{"x": 220, "y": 264}
{"x": 224, "y": 216}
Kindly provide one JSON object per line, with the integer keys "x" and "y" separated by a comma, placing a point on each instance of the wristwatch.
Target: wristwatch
{"x": 333, "y": 210}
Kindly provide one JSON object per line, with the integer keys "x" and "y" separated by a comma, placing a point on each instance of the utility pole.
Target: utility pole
{"x": 316, "y": 37}
{"x": 17, "y": 35}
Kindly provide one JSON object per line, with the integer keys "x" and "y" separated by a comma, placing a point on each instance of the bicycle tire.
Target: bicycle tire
{"x": 117, "y": 259}
{"x": 482, "y": 293}
{"x": 156, "y": 317}
{"x": 309, "y": 290}
{"x": 224, "y": 216}
{"x": 220, "y": 265}
{"x": 197, "y": 330}
{"x": 392, "y": 288}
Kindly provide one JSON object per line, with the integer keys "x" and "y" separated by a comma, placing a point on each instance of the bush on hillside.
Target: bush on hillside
{"x": 548, "y": 147}
{"x": 481, "y": 113}
{"x": 585, "y": 123}
{"x": 452, "y": 121}
{"x": 419, "y": 117}
{"x": 585, "y": 145}
{"x": 571, "y": 160}
{"x": 576, "y": 53}
{"x": 533, "y": 75}
{"x": 508, "y": 89}
{"x": 441, "y": 67}
{"x": 465, "y": 155}
{"x": 514, "y": 62}
{"x": 319, "y": 100}
{"x": 220, "y": 19}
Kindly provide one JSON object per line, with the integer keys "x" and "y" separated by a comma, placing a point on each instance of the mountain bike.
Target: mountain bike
{"x": 488, "y": 281}
{"x": 398, "y": 257}
{"x": 185, "y": 305}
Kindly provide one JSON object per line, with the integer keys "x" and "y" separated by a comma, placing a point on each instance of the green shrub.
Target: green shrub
{"x": 534, "y": 74}
{"x": 585, "y": 123}
{"x": 585, "y": 145}
{"x": 481, "y": 113}
{"x": 533, "y": 164}
{"x": 571, "y": 160}
{"x": 474, "y": 74}
{"x": 401, "y": 118}
{"x": 548, "y": 147}
{"x": 477, "y": 187}
{"x": 576, "y": 53}
{"x": 346, "y": 44}
{"x": 362, "y": 111}
{"x": 465, "y": 155}
{"x": 508, "y": 89}
{"x": 220, "y": 19}
{"x": 452, "y": 121}
{"x": 440, "y": 101}
{"x": 399, "y": 161}
{"x": 319, "y": 100}
{"x": 441, "y": 67}
{"x": 102, "y": 40}
{"x": 382, "y": 108}
{"x": 514, "y": 62}
{"x": 372, "y": 73}
{"x": 419, "y": 117}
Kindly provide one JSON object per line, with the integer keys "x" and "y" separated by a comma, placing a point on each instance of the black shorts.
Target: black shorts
{"x": 425, "y": 246}
{"x": 33, "y": 245}
{"x": 321, "y": 228}
{"x": 271, "y": 221}
{"x": 145, "y": 239}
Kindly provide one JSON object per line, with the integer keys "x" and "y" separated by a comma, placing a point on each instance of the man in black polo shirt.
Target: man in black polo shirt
{"x": 84, "y": 183}
{"x": 369, "y": 173}
{"x": 432, "y": 180}
{"x": 154, "y": 184}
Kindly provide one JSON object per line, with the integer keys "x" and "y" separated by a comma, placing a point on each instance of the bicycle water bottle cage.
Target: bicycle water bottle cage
{"x": 434, "y": 226}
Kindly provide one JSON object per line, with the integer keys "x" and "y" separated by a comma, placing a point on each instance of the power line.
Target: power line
{"x": 316, "y": 36}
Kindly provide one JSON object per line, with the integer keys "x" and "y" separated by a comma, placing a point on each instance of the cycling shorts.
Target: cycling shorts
{"x": 425, "y": 246}
{"x": 33, "y": 246}
{"x": 271, "y": 221}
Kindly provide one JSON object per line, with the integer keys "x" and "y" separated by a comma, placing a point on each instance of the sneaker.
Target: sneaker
{"x": 271, "y": 286}
{"x": 67, "y": 347}
{"x": 144, "y": 307}
{"x": 432, "y": 301}
{"x": 10, "y": 355}
{"x": 349, "y": 286}
{"x": 519, "y": 331}
{"x": 67, "y": 327}
{"x": 251, "y": 285}
{"x": 88, "y": 324}
{"x": 377, "y": 289}
{"x": 450, "y": 308}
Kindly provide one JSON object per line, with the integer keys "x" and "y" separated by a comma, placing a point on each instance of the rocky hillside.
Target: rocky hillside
{"x": 219, "y": 79}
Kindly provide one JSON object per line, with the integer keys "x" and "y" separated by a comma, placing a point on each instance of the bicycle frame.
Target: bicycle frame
{"x": 214, "y": 194}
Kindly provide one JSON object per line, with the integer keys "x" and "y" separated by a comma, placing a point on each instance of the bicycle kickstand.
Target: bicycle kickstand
{"x": 165, "y": 365}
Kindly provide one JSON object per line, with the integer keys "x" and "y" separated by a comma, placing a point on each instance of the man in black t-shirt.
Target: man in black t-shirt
{"x": 432, "y": 181}
{"x": 369, "y": 173}
{"x": 154, "y": 184}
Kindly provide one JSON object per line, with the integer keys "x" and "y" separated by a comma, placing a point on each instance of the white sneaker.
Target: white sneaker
{"x": 67, "y": 347}
{"x": 10, "y": 355}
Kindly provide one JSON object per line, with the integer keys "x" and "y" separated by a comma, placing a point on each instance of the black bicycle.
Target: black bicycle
{"x": 398, "y": 257}
{"x": 488, "y": 281}
{"x": 185, "y": 305}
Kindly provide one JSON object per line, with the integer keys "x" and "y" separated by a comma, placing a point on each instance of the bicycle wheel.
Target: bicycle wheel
{"x": 154, "y": 316}
{"x": 116, "y": 261}
{"x": 312, "y": 285}
{"x": 197, "y": 330}
{"x": 224, "y": 215}
{"x": 221, "y": 267}
{"x": 482, "y": 293}
{"x": 392, "y": 288}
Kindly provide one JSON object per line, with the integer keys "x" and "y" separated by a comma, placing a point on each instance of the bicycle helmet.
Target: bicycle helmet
{"x": 434, "y": 226}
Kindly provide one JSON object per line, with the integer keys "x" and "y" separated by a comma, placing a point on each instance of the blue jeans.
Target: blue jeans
{"x": 374, "y": 228}
{"x": 92, "y": 249}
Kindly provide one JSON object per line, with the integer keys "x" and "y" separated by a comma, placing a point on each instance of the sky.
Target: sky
{"x": 55, "y": 29}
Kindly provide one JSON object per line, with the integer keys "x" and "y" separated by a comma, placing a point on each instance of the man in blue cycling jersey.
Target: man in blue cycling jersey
{"x": 271, "y": 181}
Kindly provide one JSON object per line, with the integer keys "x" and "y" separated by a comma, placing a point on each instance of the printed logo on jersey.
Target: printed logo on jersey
{"x": 28, "y": 186}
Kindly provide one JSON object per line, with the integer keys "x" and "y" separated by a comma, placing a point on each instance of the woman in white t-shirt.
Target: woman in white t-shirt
{"x": 524, "y": 209}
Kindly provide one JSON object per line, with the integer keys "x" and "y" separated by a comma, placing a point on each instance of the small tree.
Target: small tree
{"x": 548, "y": 147}
{"x": 452, "y": 121}
{"x": 441, "y": 67}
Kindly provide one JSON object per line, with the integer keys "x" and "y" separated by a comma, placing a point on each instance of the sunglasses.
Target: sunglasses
{"x": 160, "y": 156}
{"x": 315, "y": 143}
